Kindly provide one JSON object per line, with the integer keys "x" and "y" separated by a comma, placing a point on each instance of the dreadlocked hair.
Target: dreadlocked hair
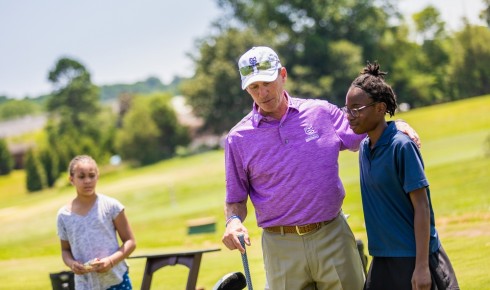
{"x": 371, "y": 80}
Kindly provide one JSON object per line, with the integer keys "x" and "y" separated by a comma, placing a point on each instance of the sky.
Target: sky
{"x": 124, "y": 41}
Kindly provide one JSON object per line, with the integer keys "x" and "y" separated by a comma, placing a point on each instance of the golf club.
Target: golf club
{"x": 231, "y": 281}
{"x": 245, "y": 262}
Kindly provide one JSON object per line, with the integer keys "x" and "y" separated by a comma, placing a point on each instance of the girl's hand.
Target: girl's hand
{"x": 103, "y": 265}
{"x": 90, "y": 264}
{"x": 79, "y": 269}
{"x": 421, "y": 279}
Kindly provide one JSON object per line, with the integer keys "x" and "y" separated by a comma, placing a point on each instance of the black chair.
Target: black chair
{"x": 64, "y": 280}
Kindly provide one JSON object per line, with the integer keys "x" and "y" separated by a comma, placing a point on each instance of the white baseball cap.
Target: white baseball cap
{"x": 259, "y": 64}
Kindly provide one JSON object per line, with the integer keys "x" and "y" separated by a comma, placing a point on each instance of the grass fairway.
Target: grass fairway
{"x": 161, "y": 198}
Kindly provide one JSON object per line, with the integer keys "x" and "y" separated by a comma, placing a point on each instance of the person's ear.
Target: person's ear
{"x": 283, "y": 72}
{"x": 381, "y": 107}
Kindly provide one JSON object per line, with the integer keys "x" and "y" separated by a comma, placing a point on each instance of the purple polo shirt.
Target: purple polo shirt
{"x": 289, "y": 168}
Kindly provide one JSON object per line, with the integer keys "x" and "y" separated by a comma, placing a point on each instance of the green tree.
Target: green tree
{"x": 150, "y": 131}
{"x": 469, "y": 64}
{"x": 6, "y": 159}
{"x": 348, "y": 56}
{"x": 77, "y": 123}
{"x": 323, "y": 44}
{"x": 215, "y": 92}
{"x": 417, "y": 67}
{"x": 50, "y": 163}
{"x": 63, "y": 144}
{"x": 304, "y": 34}
{"x": 136, "y": 141}
{"x": 75, "y": 99}
{"x": 485, "y": 13}
{"x": 18, "y": 108}
{"x": 428, "y": 23}
{"x": 411, "y": 85}
{"x": 73, "y": 87}
{"x": 35, "y": 175}
{"x": 107, "y": 121}
{"x": 172, "y": 133}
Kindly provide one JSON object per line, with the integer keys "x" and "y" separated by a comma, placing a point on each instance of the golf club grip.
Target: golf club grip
{"x": 245, "y": 263}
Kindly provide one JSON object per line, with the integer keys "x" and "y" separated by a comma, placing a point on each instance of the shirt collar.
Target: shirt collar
{"x": 385, "y": 138}
{"x": 257, "y": 117}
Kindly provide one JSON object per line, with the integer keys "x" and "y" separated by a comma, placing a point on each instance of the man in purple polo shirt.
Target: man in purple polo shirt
{"x": 284, "y": 156}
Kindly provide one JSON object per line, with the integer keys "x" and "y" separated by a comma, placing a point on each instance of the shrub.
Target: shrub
{"x": 6, "y": 159}
{"x": 50, "y": 163}
{"x": 35, "y": 175}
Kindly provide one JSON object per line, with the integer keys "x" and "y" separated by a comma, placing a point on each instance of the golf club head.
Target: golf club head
{"x": 231, "y": 281}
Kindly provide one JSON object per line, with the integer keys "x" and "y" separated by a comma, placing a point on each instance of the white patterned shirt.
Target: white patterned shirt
{"x": 93, "y": 236}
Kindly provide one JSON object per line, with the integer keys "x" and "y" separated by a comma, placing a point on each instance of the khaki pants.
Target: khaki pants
{"x": 324, "y": 259}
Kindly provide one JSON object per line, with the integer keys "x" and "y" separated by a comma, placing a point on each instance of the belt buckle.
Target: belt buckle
{"x": 298, "y": 232}
{"x": 317, "y": 226}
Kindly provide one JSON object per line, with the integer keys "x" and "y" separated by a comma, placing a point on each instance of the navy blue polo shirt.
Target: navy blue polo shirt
{"x": 389, "y": 172}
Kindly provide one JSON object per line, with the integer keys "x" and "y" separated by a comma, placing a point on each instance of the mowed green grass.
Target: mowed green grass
{"x": 161, "y": 199}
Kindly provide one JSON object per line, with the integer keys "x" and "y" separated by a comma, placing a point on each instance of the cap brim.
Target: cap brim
{"x": 259, "y": 78}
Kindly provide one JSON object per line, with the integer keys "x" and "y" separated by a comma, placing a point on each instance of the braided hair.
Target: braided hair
{"x": 80, "y": 158}
{"x": 371, "y": 81}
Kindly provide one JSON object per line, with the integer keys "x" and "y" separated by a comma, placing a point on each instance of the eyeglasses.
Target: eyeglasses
{"x": 263, "y": 65}
{"x": 355, "y": 112}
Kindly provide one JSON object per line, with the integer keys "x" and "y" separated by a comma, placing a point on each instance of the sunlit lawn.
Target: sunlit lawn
{"x": 160, "y": 199}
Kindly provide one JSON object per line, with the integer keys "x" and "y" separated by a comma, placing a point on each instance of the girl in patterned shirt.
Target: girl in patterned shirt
{"x": 87, "y": 228}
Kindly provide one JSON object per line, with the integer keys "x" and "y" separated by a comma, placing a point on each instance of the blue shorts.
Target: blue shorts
{"x": 124, "y": 285}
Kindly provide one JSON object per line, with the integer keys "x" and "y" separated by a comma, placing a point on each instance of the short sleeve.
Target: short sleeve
{"x": 62, "y": 234}
{"x": 411, "y": 167}
{"x": 117, "y": 208}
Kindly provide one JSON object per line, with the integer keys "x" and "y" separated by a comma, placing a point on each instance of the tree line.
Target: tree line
{"x": 144, "y": 129}
{"x": 323, "y": 44}
{"x": 11, "y": 108}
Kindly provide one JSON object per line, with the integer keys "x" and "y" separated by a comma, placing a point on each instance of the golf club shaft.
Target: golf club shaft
{"x": 245, "y": 263}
